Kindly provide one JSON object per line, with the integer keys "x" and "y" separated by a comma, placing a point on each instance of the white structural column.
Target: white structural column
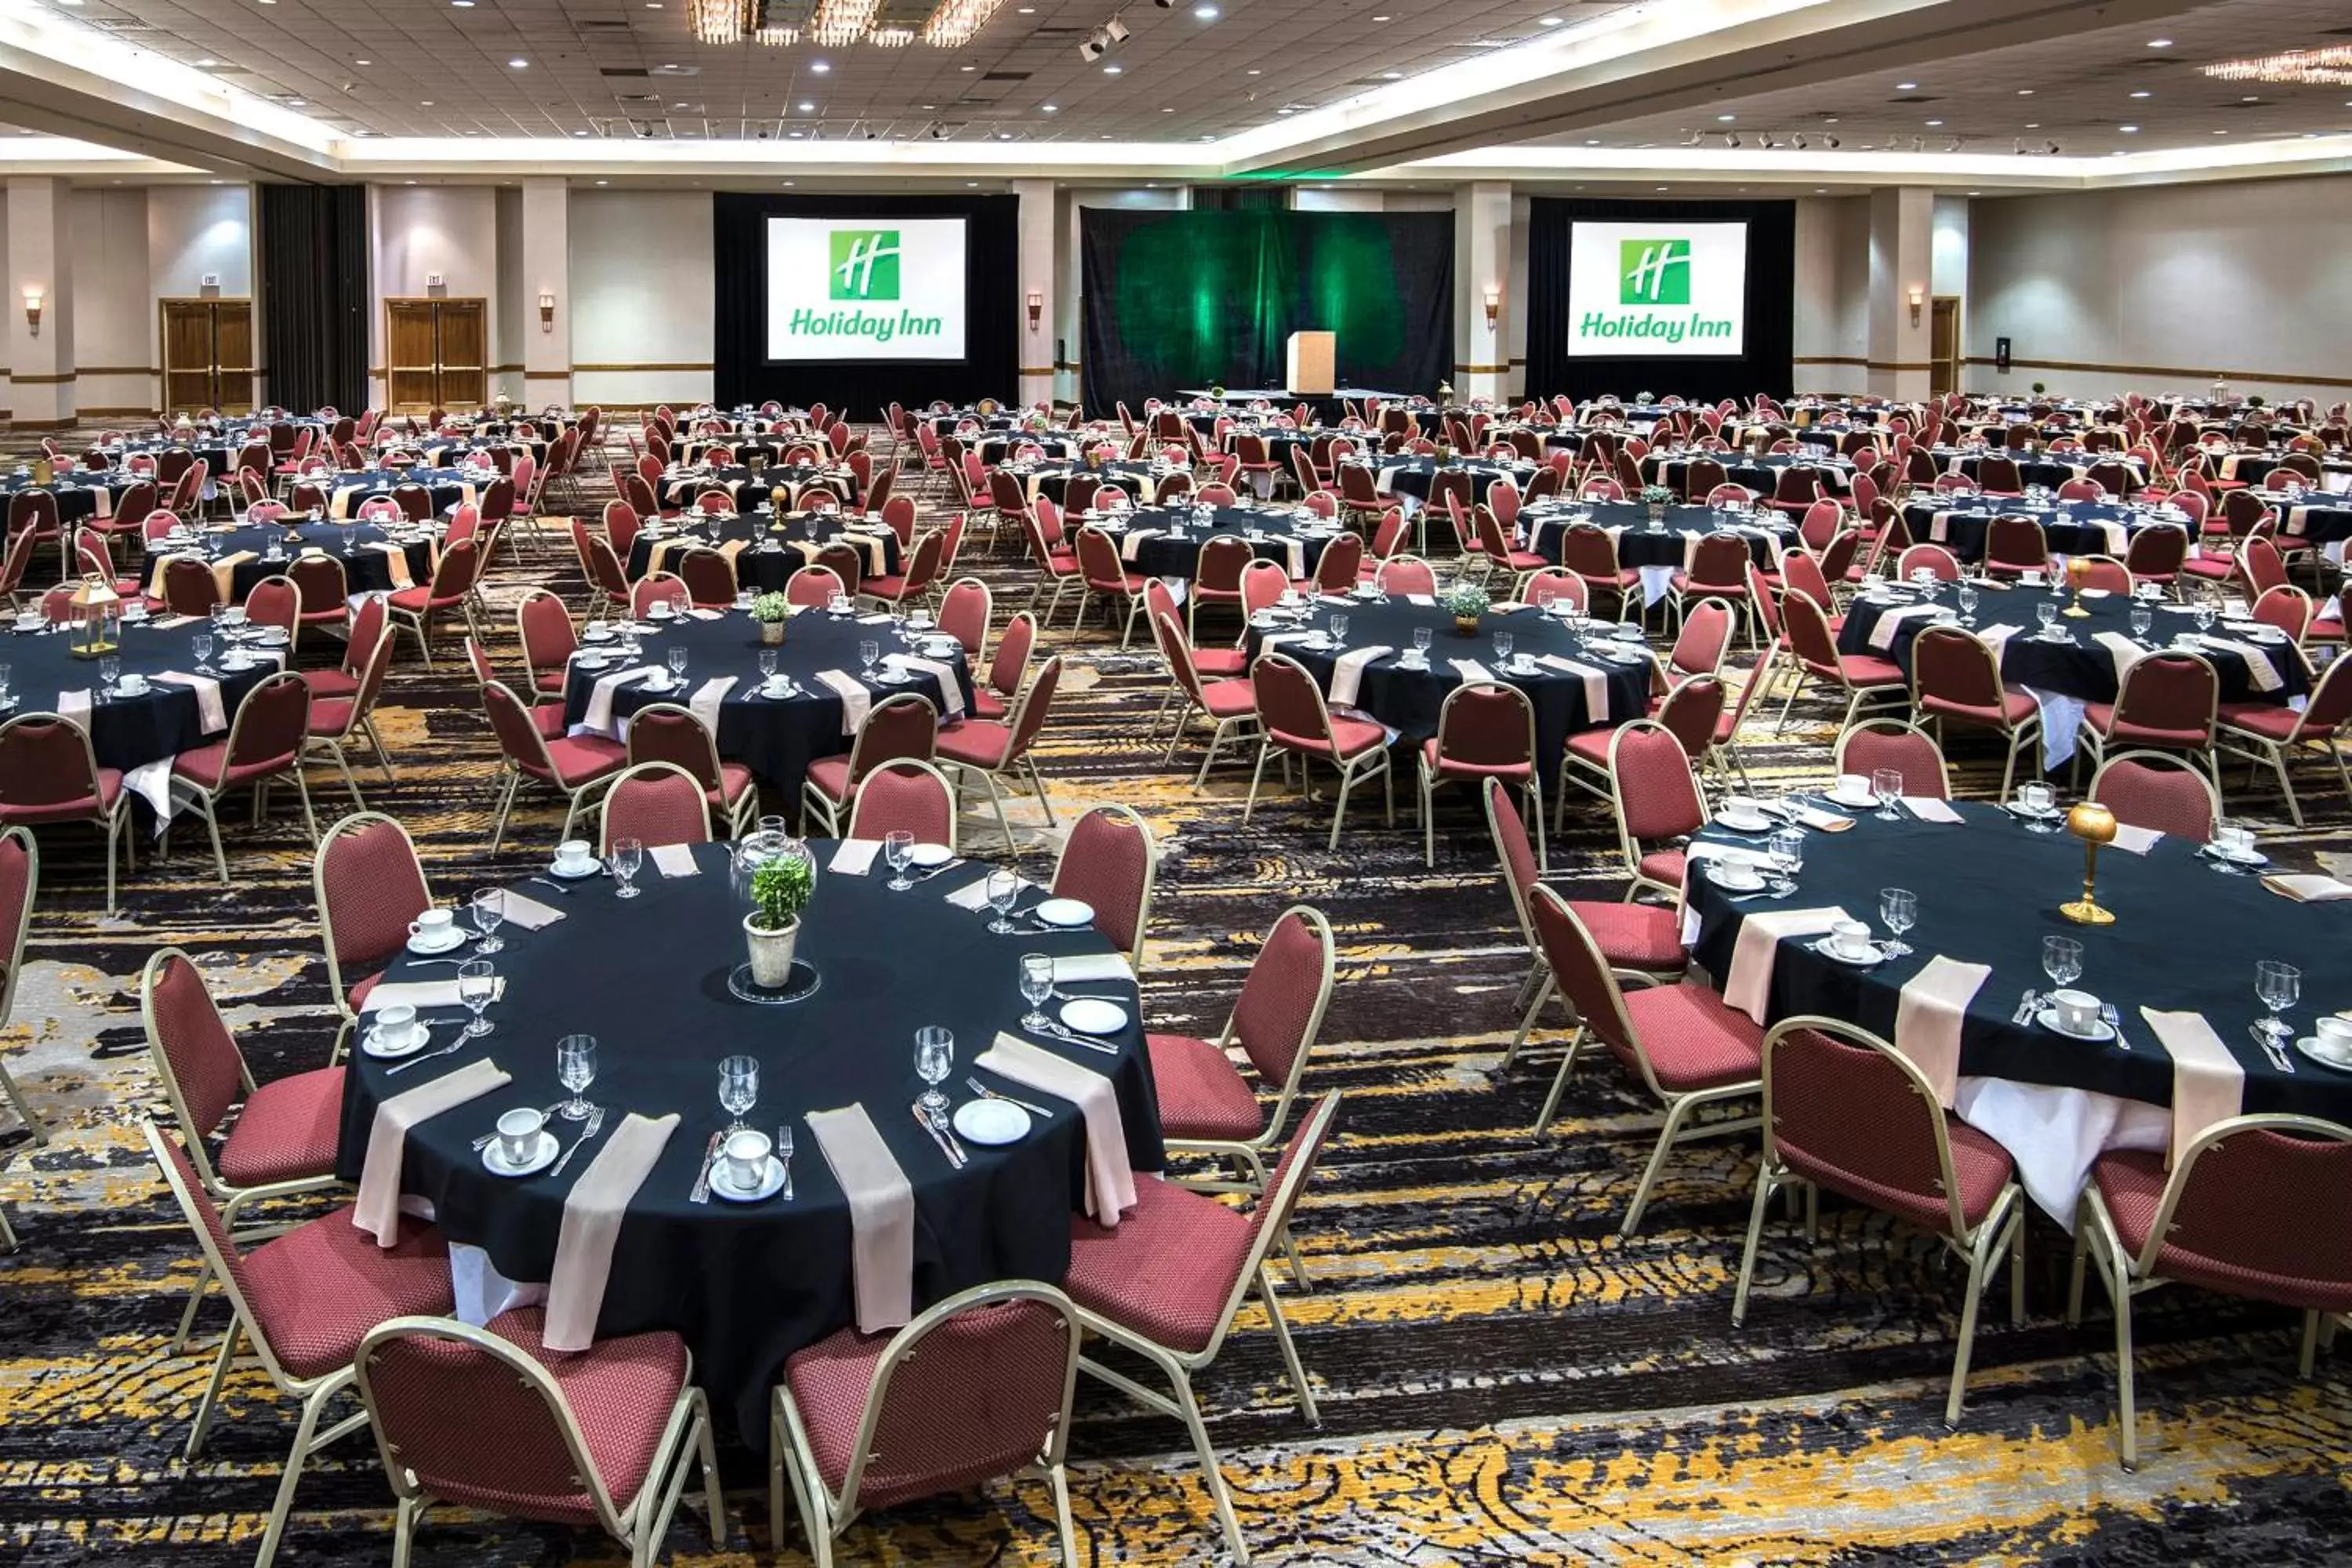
{"x": 1482, "y": 267}
{"x": 40, "y": 356}
{"x": 546, "y": 282}
{"x": 1037, "y": 313}
{"x": 1902, "y": 239}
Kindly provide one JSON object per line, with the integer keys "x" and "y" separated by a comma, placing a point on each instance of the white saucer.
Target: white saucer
{"x": 1724, "y": 874}
{"x": 562, "y": 875}
{"x": 659, "y": 683}
{"x": 1759, "y": 823}
{"x": 775, "y": 688}
{"x": 1822, "y": 946}
{"x": 770, "y": 1184}
{"x": 1850, "y": 802}
{"x": 590, "y": 661}
{"x": 990, "y": 1122}
{"x": 2019, "y": 808}
{"x": 373, "y": 1044}
{"x": 2309, "y": 1045}
{"x": 1069, "y": 912}
{"x": 496, "y": 1163}
{"x": 417, "y": 944}
{"x": 2100, "y": 1029}
{"x": 237, "y": 660}
{"x": 1093, "y": 1015}
{"x": 932, "y": 854}
{"x": 2251, "y": 858}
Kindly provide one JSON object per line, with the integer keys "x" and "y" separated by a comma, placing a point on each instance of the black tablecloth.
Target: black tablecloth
{"x": 753, "y": 490}
{"x": 447, "y": 486}
{"x": 1760, "y": 474}
{"x": 777, "y": 737}
{"x": 1639, "y": 545}
{"x": 2049, "y": 469}
{"x": 1169, "y": 555}
{"x": 366, "y": 569}
{"x": 1959, "y": 524}
{"x": 2082, "y": 668}
{"x": 446, "y": 451}
{"x": 2186, "y": 938}
{"x": 1408, "y": 476}
{"x": 748, "y": 1284}
{"x": 996, "y": 448}
{"x": 1139, "y": 480}
{"x": 1407, "y": 700}
{"x": 2323, "y": 520}
{"x": 127, "y": 731}
{"x": 771, "y": 561}
{"x": 76, "y": 494}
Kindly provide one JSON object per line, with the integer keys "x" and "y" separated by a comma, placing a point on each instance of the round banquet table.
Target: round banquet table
{"x": 2080, "y": 666}
{"x": 2324, "y": 520}
{"x": 2069, "y": 528}
{"x": 995, "y": 449}
{"x": 126, "y": 732}
{"x": 1397, "y": 474}
{"x": 2050, "y": 469}
{"x": 1139, "y": 480}
{"x": 367, "y": 568}
{"x": 776, "y": 737}
{"x": 78, "y": 493}
{"x": 1666, "y": 549}
{"x": 218, "y": 454}
{"x": 1760, "y": 474}
{"x": 1161, "y": 541}
{"x": 748, "y": 1284}
{"x": 773, "y": 556}
{"x": 1407, "y": 700}
{"x": 691, "y": 450}
{"x": 679, "y": 487}
{"x": 447, "y": 486}
{"x": 449, "y": 451}
{"x": 2186, "y": 937}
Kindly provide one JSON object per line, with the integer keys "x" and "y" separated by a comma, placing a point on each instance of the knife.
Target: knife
{"x": 701, "y": 1193}
{"x": 924, "y": 1122}
{"x": 2024, "y": 1007}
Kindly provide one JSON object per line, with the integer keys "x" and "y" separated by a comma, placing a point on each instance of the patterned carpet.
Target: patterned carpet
{"x": 1503, "y": 1379}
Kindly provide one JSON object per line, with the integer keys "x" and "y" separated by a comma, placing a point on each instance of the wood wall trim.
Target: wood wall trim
{"x": 1035, "y": 370}
{"x": 1898, "y": 364}
{"x": 547, "y": 376}
{"x": 117, "y": 370}
{"x": 1481, "y": 369}
{"x": 2164, "y": 371}
{"x": 638, "y": 369}
{"x": 1828, "y": 359}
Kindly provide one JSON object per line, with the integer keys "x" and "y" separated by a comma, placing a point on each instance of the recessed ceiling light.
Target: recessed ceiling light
{"x": 2143, "y": 92}
{"x": 424, "y": 103}
{"x": 2159, "y": 43}
{"x": 1207, "y": 13}
{"x": 1167, "y": 112}
{"x": 1113, "y": 70}
{"x": 1933, "y": 123}
{"x": 1380, "y": 18}
{"x": 807, "y": 108}
{"x": 518, "y": 63}
{"x": 2128, "y": 130}
{"x": 1727, "y": 119}
{"x": 820, "y": 67}
{"x": 1255, "y": 71}
{"x": 1049, "y": 109}
{"x": 970, "y": 68}
{"x": 1548, "y": 21}
{"x": 1391, "y": 76}
{"x": 2033, "y": 125}
{"x": 603, "y": 182}
{"x": 2025, "y": 92}
{"x": 1905, "y": 86}
{"x": 462, "y": 5}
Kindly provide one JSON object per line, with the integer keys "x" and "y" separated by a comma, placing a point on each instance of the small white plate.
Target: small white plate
{"x": 1734, "y": 876}
{"x": 990, "y": 1122}
{"x": 557, "y": 871}
{"x": 2250, "y": 857}
{"x": 661, "y": 682}
{"x": 773, "y": 688}
{"x": 1756, "y": 824}
{"x": 932, "y": 854}
{"x": 1093, "y": 1015}
{"x": 1855, "y": 803}
{"x": 1821, "y": 945}
{"x": 2309, "y": 1045}
{"x": 592, "y": 660}
{"x": 1070, "y": 912}
{"x": 771, "y": 1182}
{"x": 373, "y": 1044}
{"x": 238, "y": 660}
{"x": 599, "y": 634}
{"x": 494, "y": 1159}
{"x": 2100, "y": 1029}
{"x": 423, "y": 948}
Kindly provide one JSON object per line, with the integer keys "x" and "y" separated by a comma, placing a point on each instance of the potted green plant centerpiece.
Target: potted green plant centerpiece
{"x": 1467, "y": 602}
{"x": 2040, "y": 387}
{"x": 771, "y": 611}
{"x": 780, "y": 891}
{"x": 1657, "y": 498}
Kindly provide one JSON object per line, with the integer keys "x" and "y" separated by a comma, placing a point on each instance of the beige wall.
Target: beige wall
{"x": 642, "y": 288}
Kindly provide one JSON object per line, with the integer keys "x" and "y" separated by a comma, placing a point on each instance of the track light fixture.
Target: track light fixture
{"x": 1102, "y": 40}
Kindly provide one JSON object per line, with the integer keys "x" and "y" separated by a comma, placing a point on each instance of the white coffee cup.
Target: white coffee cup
{"x": 2235, "y": 840}
{"x": 1850, "y": 939}
{"x": 1736, "y": 875}
{"x": 233, "y": 616}
{"x": 435, "y": 927}
{"x": 1742, "y": 808}
{"x": 518, "y": 1133}
{"x": 1853, "y": 786}
{"x": 659, "y": 610}
{"x": 2078, "y": 1011}
{"x": 132, "y": 685}
{"x": 574, "y": 855}
{"x": 746, "y": 1160}
{"x": 2334, "y": 1032}
{"x": 2037, "y": 797}
{"x": 396, "y": 1024}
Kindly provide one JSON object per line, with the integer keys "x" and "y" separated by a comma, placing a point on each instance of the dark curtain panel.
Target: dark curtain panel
{"x": 991, "y": 366}
{"x": 1768, "y": 341}
{"x": 314, "y": 295}
{"x": 1178, "y": 299}
{"x": 1250, "y": 198}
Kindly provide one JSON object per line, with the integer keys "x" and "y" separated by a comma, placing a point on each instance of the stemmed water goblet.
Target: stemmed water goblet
{"x": 627, "y": 855}
{"x": 739, "y": 1089}
{"x": 490, "y": 907}
{"x": 1899, "y": 908}
{"x": 477, "y": 982}
{"x": 576, "y": 1069}
{"x": 934, "y": 1059}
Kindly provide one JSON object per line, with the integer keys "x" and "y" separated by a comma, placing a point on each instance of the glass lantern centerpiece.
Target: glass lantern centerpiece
{"x": 97, "y": 625}
{"x": 774, "y": 877}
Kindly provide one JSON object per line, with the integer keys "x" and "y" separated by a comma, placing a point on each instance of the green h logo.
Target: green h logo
{"x": 1650, "y": 271}
{"x": 865, "y": 264}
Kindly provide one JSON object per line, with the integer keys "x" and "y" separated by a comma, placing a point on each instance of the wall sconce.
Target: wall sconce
{"x": 33, "y": 310}
{"x": 1919, "y": 297}
{"x": 1493, "y": 304}
{"x": 1036, "y": 308}
{"x": 546, "y": 311}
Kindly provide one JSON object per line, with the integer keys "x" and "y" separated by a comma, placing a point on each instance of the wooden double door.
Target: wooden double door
{"x": 437, "y": 353}
{"x": 207, "y": 356}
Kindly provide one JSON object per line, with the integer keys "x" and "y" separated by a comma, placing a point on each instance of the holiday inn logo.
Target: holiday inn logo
{"x": 865, "y": 264}
{"x": 1649, "y": 271}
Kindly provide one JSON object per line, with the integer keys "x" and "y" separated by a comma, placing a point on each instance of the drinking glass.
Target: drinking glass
{"x": 2203, "y": 613}
{"x": 477, "y": 982}
{"x": 1899, "y": 908}
{"x": 2062, "y": 959}
{"x": 1003, "y": 891}
{"x": 4, "y": 673}
{"x": 767, "y": 664}
{"x": 677, "y": 663}
{"x": 739, "y": 1089}
{"x": 1544, "y": 596}
{"x": 627, "y": 855}
{"x": 2278, "y": 985}
{"x": 897, "y": 848}
{"x": 934, "y": 1057}
{"x": 771, "y": 827}
{"x": 576, "y": 1069}
{"x": 1788, "y": 851}
{"x": 1502, "y": 647}
{"x": 1036, "y": 985}
{"x": 2142, "y": 617}
{"x": 1421, "y": 638}
{"x": 1887, "y": 783}
{"x": 1338, "y": 625}
{"x": 489, "y": 908}
{"x": 349, "y": 534}
{"x": 109, "y": 670}
{"x": 201, "y": 645}
{"x": 837, "y": 606}
{"x": 868, "y": 652}
{"x": 2046, "y": 612}
{"x": 1968, "y": 597}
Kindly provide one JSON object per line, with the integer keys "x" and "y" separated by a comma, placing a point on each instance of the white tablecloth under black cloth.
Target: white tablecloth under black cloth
{"x": 127, "y": 731}
{"x": 769, "y": 562}
{"x": 748, "y": 1284}
{"x": 776, "y": 737}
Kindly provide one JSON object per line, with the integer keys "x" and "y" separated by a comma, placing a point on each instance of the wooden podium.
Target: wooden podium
{"x": 1312, "y": 357}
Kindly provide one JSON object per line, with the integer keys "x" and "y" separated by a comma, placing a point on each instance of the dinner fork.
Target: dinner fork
{"x": 595, "y": 1125}
{"x": 785, "y": 1153}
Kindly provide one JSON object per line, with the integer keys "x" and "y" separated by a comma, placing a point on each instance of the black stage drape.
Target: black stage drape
{"x": 314, "y": 295}
{"x": 1770, "y": 339}
{"x": 1201, "y": 298}
{"x": 992, "y": 363}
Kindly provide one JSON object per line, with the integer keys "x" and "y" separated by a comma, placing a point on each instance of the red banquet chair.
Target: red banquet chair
{"x": 20, "y": 884}
{"x": 1847, "y": 1112}
{"x": 669, "y": 732}
{"x": 2166, "y": 702}
{"x": 336, "y": 721}
{"x": 1654, "y": 795}
{"x": 48, "y": 774}
{"x": 995, "y": 750}
{"x": 368, "y": 884}
{"x": 656, "y": 804}
{"x": 266, "y": 741}
{"x": 1230, "y": 704}
{"x": 1294, "y": 719}
{"x": 2270, "y": 732}
{"x": 1861, "y": 678}
{"x": 1873, "y": 744}
{"x": 1486, "y": 730}
{"x": 2157, "y": 790}
{"x": 905, "y": 796}
{"x": 1111, "y": 861}
{"x": 1956, "y": 679}
{"x": 904, "y": 728}
{"x": 577, "y": 766}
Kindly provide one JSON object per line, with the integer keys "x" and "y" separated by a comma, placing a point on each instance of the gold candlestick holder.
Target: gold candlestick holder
{"x": 2076, "y": 570}
{"x": 2095, "y": 824}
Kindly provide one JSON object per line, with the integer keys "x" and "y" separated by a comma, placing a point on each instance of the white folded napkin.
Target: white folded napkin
{"x": 673, "y": 859}
{"x": 1348, "y": 673}
{"x": 593, "y": 1212}
{"x": 2138, "y": 840}
{"x": 1423, "y": 599}
{"x": 2123, "y": 650}
{"x": 1111, "y": 1181}
{"x": 599, "y": 715}
{"x": 2207, "y": 1084}
{"x": 704, "y": 703}
{"x": 1471, "y": 670}
{"x": 528, "y": 913}
{"x": 1131, "y": 543}
{"x": 74, "y": 707}
{"x": 1596, "y": 684}
{"x": 2259, "y": 667}
{"x": 974, "y": 897}
{"x": 950, "y": 690}
{"x": 1928, "y": 1014}
{"x": 855, "y": 701}
{"x": 1882, "y": 633}
{"x": 421, "y": 994}
{"x": 1093, "y": 966}
{"x": 2307, "y": 889}
{"x": 881, "y": 1216}
{"x": 1927, "y": 808}
{"x": 210, "y": 712}
{"x": 854, "y": 856}
{"x": 376, "y": 1210}
{"x": 1749, "y": 985}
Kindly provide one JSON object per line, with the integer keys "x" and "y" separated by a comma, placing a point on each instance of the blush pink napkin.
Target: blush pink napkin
{"x": 855, "y": 701}
{"x": 1111, "y": 1181}
{"x": 376, "y": 1210}
{"x": 210, "y": 710}
{"x": 592, "y": 1211}
{"x": 1750, "y": 984}
{"x": 1927, "y": 1019}
{"x": 2207, "y": 1084}
{"x": 881, "y": 1216}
